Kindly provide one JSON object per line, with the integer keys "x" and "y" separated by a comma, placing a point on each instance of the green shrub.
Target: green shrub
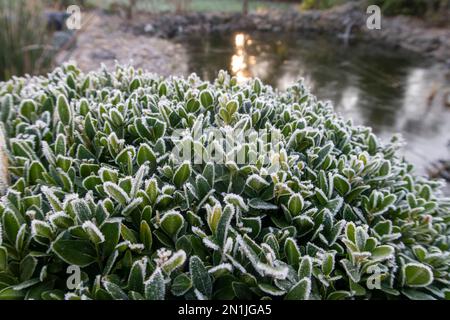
{"x": 413, "y": 7}
{"x": 320, "y": 4}
{"x": 330, "y": 212}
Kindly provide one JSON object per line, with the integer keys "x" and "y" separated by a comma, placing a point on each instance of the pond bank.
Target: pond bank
{"x": 105, "y": 40}
{"x": 409, "y": 33}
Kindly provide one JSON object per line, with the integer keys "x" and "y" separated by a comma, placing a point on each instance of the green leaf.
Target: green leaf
{"x": 182, "y": 174}
{"x": 241, "y": 291}
{"x": 76, "y": 252}
{"x": 322, "y": 154}
{"x": 146, "y": 154}
{"x": 115, "y": 291}
{"x": 213, "y": 218}
{"x": 360, "y": 238}
{"x": 111, "y": 231}
{"x": 136, "y": 276}
{"x": 162, "y": 89}
{"x": 385, "y": 168}
{"x": 10, "y": 293}
{"x": 11, "y": 225}
{"x": 35, "y": 172}
{"x": 382, "y": 252}
{"x": 372, "y": 144}
{"x": 27, "y": 267}
{"x": 300, "y": 291}
{"x": 145, "y": 235}
{"x": 295, "y": 204}
{"x": 200, "y": 277}
{"x": 328, "y": 264}
{"x": 89, "y": 126}
{"x": 3, "y": 259}
{"x": 341, "y": 184}
{"x": 127, "y": 234}
{"x": 174, "y": 262}
{"x": 60, "y": 145}
{"x": 82, "y": 210}
{"x": 27, "y": 108}
{"x": 65, "y": 111}
{"x": 41, "y": 229}
{"x": 181, "y": 284}
{"x": 116, "y": 193}
{"x": 171, "y": 223}
{"x": 256, "y": 182}
{"x": 206, "y": 98}
{"x": 155, "y": 288}
{"x": 350, "y": 232}
{"x": 417, "y": 295}
{"x": 447, "y": 294}
{"x": 417, "y": 275}
{"x": 232, "y": 107}
{"x": 135, "y": 84}
{"x": 95, "y": 235}
{"x": 91, "y": 182}
{"x": 259, "y": 204}
{"x": 270, "y": 289}
{"x": 305, "y": 268}
{"x": 292, "y": 252}
{"x": 339, "y": 295}
{"x": 5, "y": 108}
{"x": 352, "y": 271}
{"x": 224, "y": 224}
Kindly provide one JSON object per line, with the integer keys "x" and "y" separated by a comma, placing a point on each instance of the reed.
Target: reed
{"x": 24, "y": 41}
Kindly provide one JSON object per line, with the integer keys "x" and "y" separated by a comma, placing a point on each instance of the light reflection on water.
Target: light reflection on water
{"x": 390, "y": 91}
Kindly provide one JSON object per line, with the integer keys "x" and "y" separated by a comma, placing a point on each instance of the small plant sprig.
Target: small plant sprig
{"x": 334, "y": 213}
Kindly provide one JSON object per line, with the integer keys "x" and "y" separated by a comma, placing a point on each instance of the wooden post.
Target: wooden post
{"x": 131, "y": 5}
{"x": 245, "y": 7}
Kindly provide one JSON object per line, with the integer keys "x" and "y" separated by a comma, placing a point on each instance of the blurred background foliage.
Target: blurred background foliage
{"x": 24, "y": 41}
{"x": 412, "y": 7}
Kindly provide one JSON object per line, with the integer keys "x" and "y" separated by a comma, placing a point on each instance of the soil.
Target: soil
{"x": 104, "y": 40}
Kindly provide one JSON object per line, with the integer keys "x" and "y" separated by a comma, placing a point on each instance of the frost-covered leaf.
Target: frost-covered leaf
{"x": 171, "y": 223}
{"x": 182, "y": 174}
{"x": 155, "y": 288}
{"x": 76, "y": 252}
{"x": 417, "y": 275}
{"x": 181, "y": 284}
{"x": 200, "y": 276}
{"x": 300, "y": 291}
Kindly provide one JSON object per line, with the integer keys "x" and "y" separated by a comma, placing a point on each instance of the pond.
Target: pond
{"x": 391, "y": 91}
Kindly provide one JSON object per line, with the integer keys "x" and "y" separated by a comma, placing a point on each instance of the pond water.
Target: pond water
{"x": 391, "y": 91}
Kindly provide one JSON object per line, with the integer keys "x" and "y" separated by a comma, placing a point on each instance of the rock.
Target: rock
{"x": 149, "y": 28}
{"x": 56, "y": 20}
{"x": 103, "y": 55}
{"x": 62, "y": 39}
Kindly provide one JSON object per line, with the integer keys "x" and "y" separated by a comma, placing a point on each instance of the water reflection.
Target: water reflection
{"x": 239, "y": 66}
{"x": 393, "y": 92}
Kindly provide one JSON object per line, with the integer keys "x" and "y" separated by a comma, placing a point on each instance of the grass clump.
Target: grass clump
{"x": 326, "y": 211}
{"x": 24, "y": 39}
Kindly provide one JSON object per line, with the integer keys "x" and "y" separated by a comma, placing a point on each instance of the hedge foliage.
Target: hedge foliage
{"x": 333, "y": 213}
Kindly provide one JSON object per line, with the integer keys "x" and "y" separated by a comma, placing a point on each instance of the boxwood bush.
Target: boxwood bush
{"x": 99, "y": 207}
